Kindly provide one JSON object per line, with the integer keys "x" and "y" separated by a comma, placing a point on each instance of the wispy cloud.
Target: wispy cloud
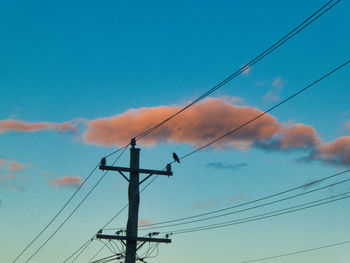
{"x": 22, "y": 126}
{"x": 146, "y": 222}
{"x": 246, "y": 71}
{"x": 66, "y": 181}
{"x": 16, "y": 166}
{"x": 225, "y": 166}
{"x": 273, "y": 94}
{"x": 347, "y": 126}
{"x": 203, "y": 205}
{"x": 11, "y": 176}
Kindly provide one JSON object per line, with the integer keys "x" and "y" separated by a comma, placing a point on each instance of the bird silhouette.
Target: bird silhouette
{"x": 176, "y": 158}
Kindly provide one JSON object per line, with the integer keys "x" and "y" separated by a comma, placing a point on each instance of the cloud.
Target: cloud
{"x": 2, "y": 162}
{"x": 236, "y": 198}
{"x": 347, "y": 126}
{"x": 66, "y": 181}
{"x": 203, "y": 205}
{"x": 10, "y": 174}
{"x": 196, "y": 126}
{"x": 273, "y": 95}
{"x": 16, "y": 166}
{"x": 336, "y": 152}
{"x": 210, "y": 119}
{"x": 246, "y": 71}
{"x": 146, "y": 222}
{"x": 224, "y": 166}
{"x": 21, "y": 126}
{"x": 299, "y": 136}
{"x": 311, "y": 184}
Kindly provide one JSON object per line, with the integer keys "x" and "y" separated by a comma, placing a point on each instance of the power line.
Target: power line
{"x": 60, "y": 211}
{"x": 260, "y": 115}
{"x": 262, "y": 216}
{"x": 267, "y": 111}
{"x": 82, "y": 251}
{"x": 85, "y": 244}
{"x": 246, "y": 203}
{"x": 299, "y": 252}
{"x": 253, "y": 207}
{"x": 114, "y": 217}
{"x": 69, "y": 216}
{"x": 277, "y": 44}
{"x": 54, "y": 218}
{"x": 98, "y": 252}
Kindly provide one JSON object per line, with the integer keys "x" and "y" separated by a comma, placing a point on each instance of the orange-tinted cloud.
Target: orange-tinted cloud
{"x": 66, "y": 181}
{"x": 299, "y": 136}
{"x": 196, "y": 126}
{"x": 10, "y": 175}
{"x": 337, "y": 152}
{"x": 2, "y": 162}
{"x": 211, "y": 119}
{"x": 146, "y": 222}
{"x": 15, "y": 125}
{"x": 16, "y": 166}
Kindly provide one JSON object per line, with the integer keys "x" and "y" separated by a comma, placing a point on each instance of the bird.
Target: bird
{"x": 103, "y": 161}
{"x": 176, "y": 158}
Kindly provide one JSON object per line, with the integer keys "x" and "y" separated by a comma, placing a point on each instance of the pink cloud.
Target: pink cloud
{"x": 66, "y": 181}
{"x": 146, "y": 222}
{"x": 196, "y": 126}
{"x": 299, "y": 136}
{"x": 2, "y": 162}
{"x": 273, "y": 94}
{"x": 15, "y": 125}
{"x": 337, "y": 152}
{"x": 16, "y": 166}
{"x": 246, "y": 71}
{"x": 347, "y": 126}
{"x": 204, "y": 205}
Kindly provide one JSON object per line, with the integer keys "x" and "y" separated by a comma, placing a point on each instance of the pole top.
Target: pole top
{"x": 133, "y": 142}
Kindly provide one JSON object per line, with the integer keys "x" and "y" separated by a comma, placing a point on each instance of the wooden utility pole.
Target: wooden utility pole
{"x": 134, "y": 202}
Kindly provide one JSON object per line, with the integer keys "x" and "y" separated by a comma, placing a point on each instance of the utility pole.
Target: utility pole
{"x": 131, "y": 237}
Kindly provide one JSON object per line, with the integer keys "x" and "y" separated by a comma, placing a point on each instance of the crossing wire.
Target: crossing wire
{"x": 70, "y": 215}
{"x": 266, "y": 52}
{"x": 253, "y": 207}
{"x": 292, "y": 33}
{"x": 243, "y": 204}
{"x": 54, "y": 218}
{"x": 109, "y": 221}
{"x": 262, "y": 216}
{"x": 299, "y": 252}
{"x": 267, "y": 111}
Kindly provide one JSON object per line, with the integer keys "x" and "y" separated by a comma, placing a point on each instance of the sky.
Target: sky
{"x": 79, "y": 79}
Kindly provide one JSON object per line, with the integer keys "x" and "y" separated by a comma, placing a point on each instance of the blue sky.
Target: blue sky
{"x": 75, "y": 63}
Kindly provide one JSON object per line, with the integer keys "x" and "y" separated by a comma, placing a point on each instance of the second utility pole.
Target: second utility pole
{"x": 131, "y": 237}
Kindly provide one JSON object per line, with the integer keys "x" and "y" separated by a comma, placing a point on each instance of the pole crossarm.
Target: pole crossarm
{"x": 143, "y": 171}
{"x": 142, "y": 239}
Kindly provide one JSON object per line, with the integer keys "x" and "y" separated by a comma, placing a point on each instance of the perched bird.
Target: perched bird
{"x": 176, "y": 158}
{"x": 103, "y": 161}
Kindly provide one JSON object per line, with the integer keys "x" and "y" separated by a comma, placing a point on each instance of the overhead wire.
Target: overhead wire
{"x": 292, "y": 33}
{"x": 262, "y": 216}
{"x": 267, "y": 111}
{"x": 98, "y": 252}
{"x": 298, "y": 252}
{"x": 245, "y": 203}
{"x": 253, "y": 207}
{"x": 69, "y": 216}
{"x": 273, "y": 47}
{"x": 115, "y": 216}
{"x": 54, "y": 218}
